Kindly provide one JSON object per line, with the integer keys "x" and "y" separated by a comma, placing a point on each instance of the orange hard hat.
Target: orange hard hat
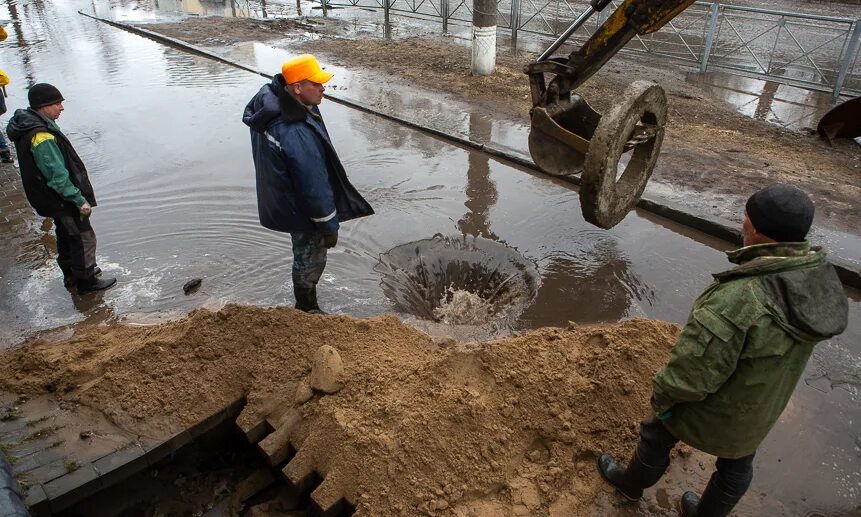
{"x": 304, "y": 67}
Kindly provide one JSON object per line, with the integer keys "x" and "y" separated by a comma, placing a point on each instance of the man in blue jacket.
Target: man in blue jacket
{"x": 302, "y": 188}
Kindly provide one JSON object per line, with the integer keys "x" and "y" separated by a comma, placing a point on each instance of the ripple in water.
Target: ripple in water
{"x": 458, "y": 280}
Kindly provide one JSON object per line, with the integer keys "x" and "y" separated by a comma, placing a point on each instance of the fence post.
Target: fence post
{"x": 386, "y": 13}
{"x": 710, "y": 36}
{"x": 515, "y": 21}
{"x": 848, "y": 58}
{"x": 444, "y": 9}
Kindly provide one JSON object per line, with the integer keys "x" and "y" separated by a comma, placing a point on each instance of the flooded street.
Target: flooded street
{"x": 161, "y": 134}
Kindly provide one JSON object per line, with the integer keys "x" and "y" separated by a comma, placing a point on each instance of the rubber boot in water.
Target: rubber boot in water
{"x": 95, "y": 284}
{"x": 306, "y": 300}
{"x": 714, "y": 502}
{"x": 69, "y": 278}
{"x": 629, "y": 482}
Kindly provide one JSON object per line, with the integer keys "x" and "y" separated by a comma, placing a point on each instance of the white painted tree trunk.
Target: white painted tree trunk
{"x": 483, "y": 50}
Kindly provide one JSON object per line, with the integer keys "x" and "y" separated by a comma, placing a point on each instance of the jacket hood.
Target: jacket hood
{"x": 805, "y": 291}
{"x": 25, "y": 121}
{"x": 273, "y": 103}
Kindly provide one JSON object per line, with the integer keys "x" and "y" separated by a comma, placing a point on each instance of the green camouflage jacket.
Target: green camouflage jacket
{"x": 745, "y": 345}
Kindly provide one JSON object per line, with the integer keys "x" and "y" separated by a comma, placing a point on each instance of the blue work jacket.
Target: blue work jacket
{"x": 301, "y": 184}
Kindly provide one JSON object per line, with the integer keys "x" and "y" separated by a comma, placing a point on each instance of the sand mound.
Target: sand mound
{"x": 509, "y": 426}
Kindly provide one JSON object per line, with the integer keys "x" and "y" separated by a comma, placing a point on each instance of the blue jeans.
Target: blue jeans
{"x": 309, "y": 258}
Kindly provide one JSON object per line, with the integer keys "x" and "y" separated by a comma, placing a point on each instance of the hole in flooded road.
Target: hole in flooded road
{"x": 458, "y": 280}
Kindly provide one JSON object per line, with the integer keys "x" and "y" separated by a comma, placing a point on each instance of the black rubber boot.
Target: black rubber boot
{"x": 95, "y": 284}
{"x": 306, "y": 300}
{"x": 631, "y": 481}
{"x": 714, "y": 502}
{"x": 69, "y": 278}
{"x": 6, "y": 157}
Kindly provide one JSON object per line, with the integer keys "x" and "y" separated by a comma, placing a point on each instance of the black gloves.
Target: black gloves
{"x": 330, "y": 240}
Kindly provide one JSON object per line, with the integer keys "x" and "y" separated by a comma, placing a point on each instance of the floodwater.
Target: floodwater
{"x": 160, "y": 132}
{"x": 780, "y": 104}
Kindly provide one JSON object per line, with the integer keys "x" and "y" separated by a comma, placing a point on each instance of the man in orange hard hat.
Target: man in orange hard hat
{"x": 302, "y": 188}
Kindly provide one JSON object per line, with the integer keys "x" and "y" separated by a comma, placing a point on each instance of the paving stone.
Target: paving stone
{"x": 24, "y": 464}
{"x": 71, "y": 488}
{"x": 121, "y": 464}
{"x": 230, "y": 412}
{"x": 37, "y": 501}
{"x": 156, "y": 451}
{"x": 20, "y": 450}
{"x": 50, "y": 455}
{"x": 47, "y": 472}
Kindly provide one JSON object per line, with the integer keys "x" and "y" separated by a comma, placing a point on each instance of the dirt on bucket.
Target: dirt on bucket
{"x": 420, "y": 426}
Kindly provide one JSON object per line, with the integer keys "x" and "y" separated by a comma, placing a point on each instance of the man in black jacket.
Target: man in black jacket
{"x": 57, "y": 186}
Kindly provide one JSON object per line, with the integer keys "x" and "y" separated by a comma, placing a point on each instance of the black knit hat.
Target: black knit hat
{"x": 44, "y": 94}
{"x": 781, "y": 212}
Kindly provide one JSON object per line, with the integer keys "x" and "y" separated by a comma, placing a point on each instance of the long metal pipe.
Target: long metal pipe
{"x": 567, "y": 34}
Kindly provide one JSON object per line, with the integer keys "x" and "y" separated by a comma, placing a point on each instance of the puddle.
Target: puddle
{"x": 171, "y": 164}
{"x": 780, "y": 104}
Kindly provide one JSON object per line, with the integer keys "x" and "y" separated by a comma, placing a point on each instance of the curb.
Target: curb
{"x": 849, "y": 273}
{"x": 11, "y": 504}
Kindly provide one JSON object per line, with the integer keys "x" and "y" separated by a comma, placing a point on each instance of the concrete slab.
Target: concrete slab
{"x": 73, "y": 487}
{"x": 63, "y": 453}
{"x": 121, "y": 464}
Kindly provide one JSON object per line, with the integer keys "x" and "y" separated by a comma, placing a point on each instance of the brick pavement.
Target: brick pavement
{"x": 20, "y": 234}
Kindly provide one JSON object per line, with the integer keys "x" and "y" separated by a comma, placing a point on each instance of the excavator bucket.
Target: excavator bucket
{"x": 615, "y": 153}
{"x": 559, "y": 136}
{"x": 842, "y": 121}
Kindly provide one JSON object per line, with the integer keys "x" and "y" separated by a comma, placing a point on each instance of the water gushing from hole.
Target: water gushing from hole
{"x": 458, "y": 280}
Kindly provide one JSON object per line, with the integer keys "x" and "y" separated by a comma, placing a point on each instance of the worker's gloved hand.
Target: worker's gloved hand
{"x": 85, "y": 210}
{"x": 330, "y": 240}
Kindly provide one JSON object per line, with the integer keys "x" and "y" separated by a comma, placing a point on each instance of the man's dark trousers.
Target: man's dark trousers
{"x": 732, "y": 477}
{"x": 76, "y": 246}
{"x": 309, "y": 258}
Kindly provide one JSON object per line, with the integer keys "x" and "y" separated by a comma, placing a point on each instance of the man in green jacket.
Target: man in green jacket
{"x": 740, "y": 355}
{"x": 57, "y": 185}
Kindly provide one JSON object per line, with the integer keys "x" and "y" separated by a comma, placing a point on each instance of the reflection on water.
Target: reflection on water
{"x": 480, "y": 189}
{"x": 780, "y": 104}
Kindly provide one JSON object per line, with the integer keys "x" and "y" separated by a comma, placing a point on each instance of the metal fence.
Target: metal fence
{"x": 809, "y": 51}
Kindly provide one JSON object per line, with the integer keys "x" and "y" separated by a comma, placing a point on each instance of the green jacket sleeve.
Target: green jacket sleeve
{"x": 50, "y": 162}
{"x": 703, "y": 358}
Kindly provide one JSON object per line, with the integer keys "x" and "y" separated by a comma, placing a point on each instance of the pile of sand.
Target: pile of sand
{"x": 419, "y": 427}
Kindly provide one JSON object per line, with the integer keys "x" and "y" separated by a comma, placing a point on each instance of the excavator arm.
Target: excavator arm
{"x": 568, "y": 137}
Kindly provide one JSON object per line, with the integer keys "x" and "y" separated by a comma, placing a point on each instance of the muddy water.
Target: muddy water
{"x": 161, "y": 134}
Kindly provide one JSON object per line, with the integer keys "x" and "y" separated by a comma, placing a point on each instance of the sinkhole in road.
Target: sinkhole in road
{"x": 458, "y": 280}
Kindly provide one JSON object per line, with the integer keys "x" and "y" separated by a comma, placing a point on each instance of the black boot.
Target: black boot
{"x": 714, "y": 502}
{"x": 69, "y": 278}
{"x": 629, "y": 482}
{"x": 95, "y": 284}
{"x": 6, "y": 156}
{"x": 306, "y": 300}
